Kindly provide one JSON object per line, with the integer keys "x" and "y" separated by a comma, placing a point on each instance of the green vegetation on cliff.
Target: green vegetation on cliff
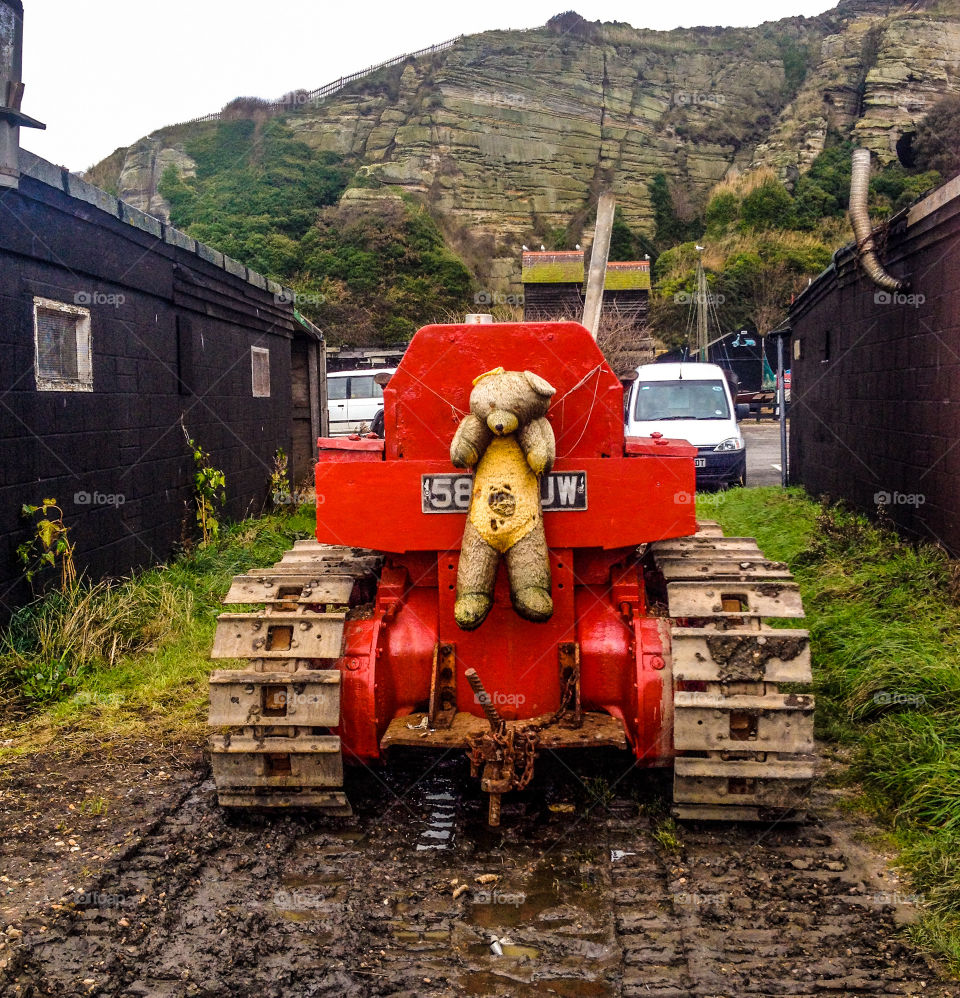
{"x": 367, "y": 271}
{"x": 763, "y": 243}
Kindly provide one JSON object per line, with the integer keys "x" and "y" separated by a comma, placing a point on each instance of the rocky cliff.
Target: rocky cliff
{"x": 508, "y": 135}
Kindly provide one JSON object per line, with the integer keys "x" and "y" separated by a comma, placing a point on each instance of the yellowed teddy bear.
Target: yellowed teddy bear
{"x": 507, "y": 438}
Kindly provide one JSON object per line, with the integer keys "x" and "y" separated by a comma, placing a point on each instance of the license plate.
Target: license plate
{"x": 699, "y": 462}
{"x": 560, "y": 491}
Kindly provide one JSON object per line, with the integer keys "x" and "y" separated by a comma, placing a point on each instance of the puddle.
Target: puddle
{"x": 496, "y": 984}
{"x": 440, "y": 800}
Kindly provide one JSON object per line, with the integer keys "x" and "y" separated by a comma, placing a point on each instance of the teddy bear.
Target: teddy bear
{"x": 507, "y": 439}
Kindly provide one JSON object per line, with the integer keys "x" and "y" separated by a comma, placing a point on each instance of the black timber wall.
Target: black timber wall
{"x": 173, "y": 344}
{"x": 875, "y": 413}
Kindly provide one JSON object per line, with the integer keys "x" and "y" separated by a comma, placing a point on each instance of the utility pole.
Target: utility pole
{"x": 593, "y": 302}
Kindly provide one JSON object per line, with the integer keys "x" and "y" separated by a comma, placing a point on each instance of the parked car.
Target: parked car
{"x": 354, "y": 398}
{"x": 692, "y": 402}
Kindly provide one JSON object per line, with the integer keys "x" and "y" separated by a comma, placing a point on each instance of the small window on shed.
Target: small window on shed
{"x": 260, "y": 368}
{"x": 62, "y": 340}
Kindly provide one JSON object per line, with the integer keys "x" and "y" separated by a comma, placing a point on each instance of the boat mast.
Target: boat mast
{"x": 701, "y": 309}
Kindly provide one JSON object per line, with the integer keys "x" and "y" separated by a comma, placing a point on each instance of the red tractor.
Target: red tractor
{"x": 657, "y": 643}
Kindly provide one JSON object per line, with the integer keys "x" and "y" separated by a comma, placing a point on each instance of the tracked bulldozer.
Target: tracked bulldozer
{"x": 659, "y": 643}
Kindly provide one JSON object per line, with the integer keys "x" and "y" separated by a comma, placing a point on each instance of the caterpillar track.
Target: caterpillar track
{"x": 272, "y": 743}
{"x": 744, "y": 750}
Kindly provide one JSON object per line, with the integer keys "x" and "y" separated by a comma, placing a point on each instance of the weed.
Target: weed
{"x": 665, "y": 832}
{"x": 209, "y": 490}
{"x": 93, "y": 807}
{"x": 131, "y": 654}
{"x": 600, "y": 791}
{"x": 50, "y": 544}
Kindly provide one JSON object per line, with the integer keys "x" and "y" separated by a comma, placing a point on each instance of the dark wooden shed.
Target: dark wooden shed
{"x": 115, "y": 331}
{"x": 875, "y": 402}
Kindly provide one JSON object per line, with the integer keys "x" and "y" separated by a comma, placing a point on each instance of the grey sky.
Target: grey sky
{"x": 103, "y": 73}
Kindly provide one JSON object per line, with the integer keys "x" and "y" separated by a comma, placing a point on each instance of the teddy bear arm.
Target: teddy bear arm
{"x": 539, "y": 444}
{"x": 469, "y": 442}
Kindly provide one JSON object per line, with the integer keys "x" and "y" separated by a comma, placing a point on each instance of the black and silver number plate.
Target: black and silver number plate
{"x": 560, "y": 490}
{"x": 699, "y": 462}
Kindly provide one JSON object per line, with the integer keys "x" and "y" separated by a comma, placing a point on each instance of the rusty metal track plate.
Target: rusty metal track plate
{"x": 331, "y": 803}
{"x": 712, "y": 545}
{"x": 698, "y": 567}
{"x": 767, "y": 655}
{"x": 774, "y": 722}
{"x": 242, "y": 763}
{"x": 754, "y": 599}
{"x": 306, "y": 697}
{"x": 291, "y": 635}
{"x": 776, "y": 783}
{"x": 270, "y": 587}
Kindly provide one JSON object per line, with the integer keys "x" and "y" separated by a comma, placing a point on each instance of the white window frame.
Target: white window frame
{"x": 254, "y": 351}
{"x": 84, "y": 379}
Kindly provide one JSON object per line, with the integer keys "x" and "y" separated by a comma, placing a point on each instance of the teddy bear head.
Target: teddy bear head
{"x": 507, "y": 400}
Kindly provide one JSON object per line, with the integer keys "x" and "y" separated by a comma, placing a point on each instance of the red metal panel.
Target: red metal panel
{"x": 518, "y": 661}
{"x": 376, "y": 504}
{"x": 429, "y": 394}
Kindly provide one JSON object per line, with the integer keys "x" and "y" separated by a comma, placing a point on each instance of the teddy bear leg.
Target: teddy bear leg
{"x": 476, "y": 575}
{"x": 528, "y": 566}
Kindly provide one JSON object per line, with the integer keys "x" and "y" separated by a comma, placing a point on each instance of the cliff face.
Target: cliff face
{"x": 509, "y": 134}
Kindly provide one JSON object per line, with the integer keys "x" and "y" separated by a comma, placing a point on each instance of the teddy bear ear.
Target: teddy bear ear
{"x": 488, "y": 374}
{"x": 539, "y": 385}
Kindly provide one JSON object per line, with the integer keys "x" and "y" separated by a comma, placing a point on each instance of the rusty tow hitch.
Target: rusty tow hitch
{"x": 504, "y": 755}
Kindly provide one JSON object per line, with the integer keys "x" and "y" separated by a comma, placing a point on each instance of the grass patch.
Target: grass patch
{"x": 884, "y": 621}
{"x": 129, "y": 657}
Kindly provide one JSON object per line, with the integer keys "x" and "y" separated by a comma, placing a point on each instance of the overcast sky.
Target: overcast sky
{"x": 103, "y": 73}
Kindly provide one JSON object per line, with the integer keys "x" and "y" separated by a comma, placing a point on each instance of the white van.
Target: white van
{"x": 692, "y": 402}
{"x": 353, "y": 398}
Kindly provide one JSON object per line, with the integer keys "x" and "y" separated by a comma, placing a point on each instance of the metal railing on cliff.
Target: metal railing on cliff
{"x": 299, "y": 98}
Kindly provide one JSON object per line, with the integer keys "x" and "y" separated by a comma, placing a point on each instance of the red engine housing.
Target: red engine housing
{"x": 369, "y": 494}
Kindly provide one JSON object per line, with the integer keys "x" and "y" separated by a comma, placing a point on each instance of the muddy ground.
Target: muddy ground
{"x": 121, "y": 877}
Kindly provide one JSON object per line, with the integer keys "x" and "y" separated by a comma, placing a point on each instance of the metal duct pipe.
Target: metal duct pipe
{"x": 11, "y": 92}
{"x": 862, "y": 230}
